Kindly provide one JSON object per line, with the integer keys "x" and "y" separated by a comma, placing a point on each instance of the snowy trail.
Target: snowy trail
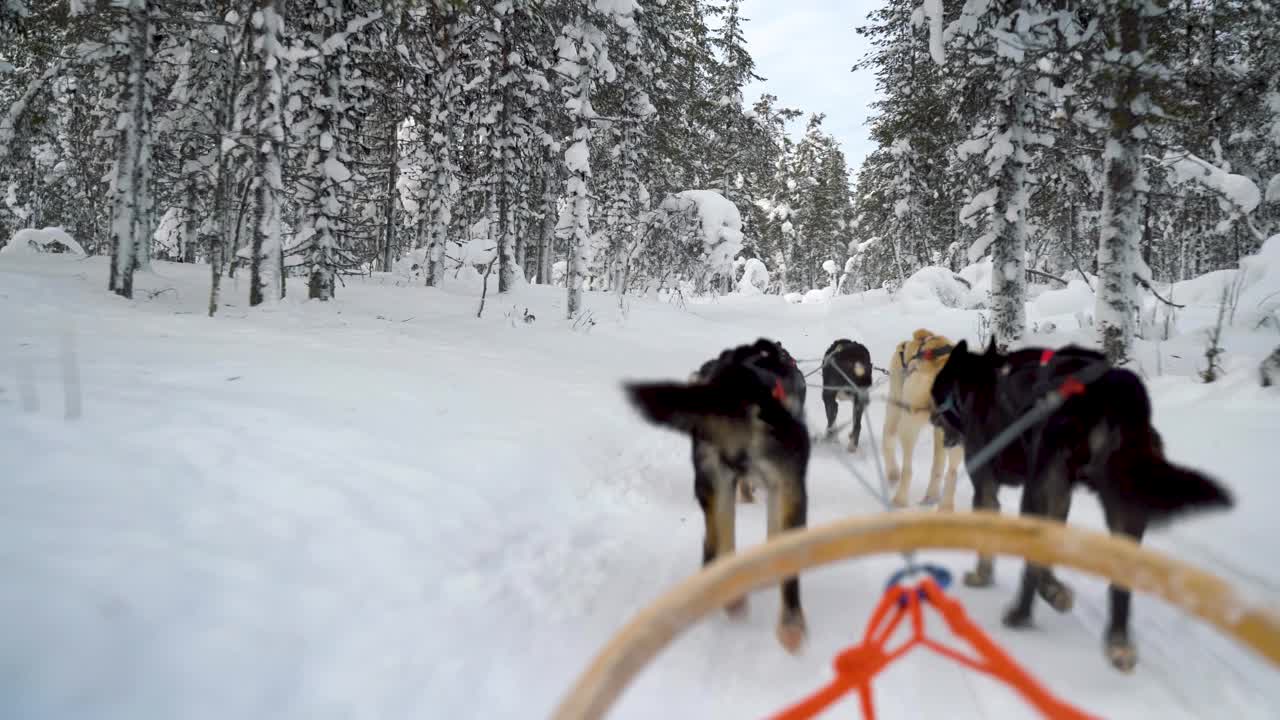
{"x": 386, "y": 508}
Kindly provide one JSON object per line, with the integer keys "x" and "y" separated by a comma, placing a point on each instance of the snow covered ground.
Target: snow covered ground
{"x": 384, "y": 507}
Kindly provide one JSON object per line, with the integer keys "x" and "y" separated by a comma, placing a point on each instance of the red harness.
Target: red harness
{"x": 1070, "y": 386}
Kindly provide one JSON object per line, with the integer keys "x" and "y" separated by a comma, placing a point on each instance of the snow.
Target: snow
{"x": 937, "y": 286}
{"x": 382, "y": 506}
{"x": 1238, "y": 189}
{"x": 1260, "y": 281}
{"x": 719, "y": 219}
{"x": 50, "y": 239}
{"x": 755, "y": 277}
{"x": 933, "y": 12}
{"x": 577, "y": 157}
{"x": 335, "y": 170}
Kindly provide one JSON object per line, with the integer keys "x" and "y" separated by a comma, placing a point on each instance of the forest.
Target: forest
{"x": 592, "y": 144}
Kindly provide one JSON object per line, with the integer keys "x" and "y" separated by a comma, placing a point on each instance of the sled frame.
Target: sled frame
{"x": 1048, "y": 542}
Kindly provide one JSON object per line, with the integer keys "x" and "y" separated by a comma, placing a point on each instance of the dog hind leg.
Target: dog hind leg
{"x": 788, "y": 510}
{"x": 855, "y": 435}
{"x": 1018, "y": 614}
{"x": 932, "y": 493}
{"x": 985, "y": 497}
{"x": 907, "y": 435}
{"x": 713, "y": 485}
{"x": 1055, "y": 592}
{"x": 833, "y": 409}
{"x": 1118, "y": 644}
{"x": 955, "y": 456}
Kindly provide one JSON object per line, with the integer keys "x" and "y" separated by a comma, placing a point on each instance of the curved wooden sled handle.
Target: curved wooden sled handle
{"x": 1047, "y": 542}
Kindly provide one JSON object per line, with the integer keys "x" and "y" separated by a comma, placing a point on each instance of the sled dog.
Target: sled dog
{"x": 912, "y": 369}
{"x": 846, "y": 365}
{"x": 742, "y": 414}
{"x": 1101, "y": 438}
{"x": 793, "y": 384}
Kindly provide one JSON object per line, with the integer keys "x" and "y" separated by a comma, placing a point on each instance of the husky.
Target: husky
{"x": 846, "y": 365}
{"x": 912, "y": 369}
{"x": 741, "y": 414}
{"x": 1269, "y": 370}
{"x": 1101, "y": 438}
{"x": 793, "y": 384}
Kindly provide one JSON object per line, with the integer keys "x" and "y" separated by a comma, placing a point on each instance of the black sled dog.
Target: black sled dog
{"x": 793, "y": 386}
{"x": 1101, "y": 438}
{"x": 740, "y": 412}
{"x": 846, "y": 365}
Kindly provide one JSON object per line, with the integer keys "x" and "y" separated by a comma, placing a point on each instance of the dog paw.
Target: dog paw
{"x": 1016, "y": 617}
{"x": 737, "y": 610}
{"x": 929, "y": 500}
{"x": 949, "y": 506}
{"x": 1059, "y": 596}
{"x": 852, "y": 447}
{"x": 1122, "y": 655}
{"x": 899, "y": 501}
{"x": 791, "y": 633}
{"x": 979, "y": 578}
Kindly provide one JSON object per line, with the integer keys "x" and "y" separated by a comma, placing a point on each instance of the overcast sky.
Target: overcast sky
{"x": 805, "y": 49}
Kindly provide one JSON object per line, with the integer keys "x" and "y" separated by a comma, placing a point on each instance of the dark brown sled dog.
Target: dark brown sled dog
{"x": 738, "y": 415}
{"x": 1101, "y": 438}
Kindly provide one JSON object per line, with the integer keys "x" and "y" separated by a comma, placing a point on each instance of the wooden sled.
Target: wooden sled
{"x": 1118, "y": 559}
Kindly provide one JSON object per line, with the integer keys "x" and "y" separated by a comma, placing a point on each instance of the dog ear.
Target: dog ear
{"x": 961, "y": 348}
{"x": 991, "y": 346}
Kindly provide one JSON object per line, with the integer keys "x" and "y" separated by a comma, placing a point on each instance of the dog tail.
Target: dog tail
{"x": 1166, "y": 491}
{"x": 1137, "y": 472}
{"x": 684, "y": 407}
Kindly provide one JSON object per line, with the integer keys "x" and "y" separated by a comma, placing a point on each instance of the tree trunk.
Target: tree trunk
{"x": 1008, "y": 226}
{"x": 506, "y": 233}
{"x": 1119, "y": 232}
{"x": 550, "y": 217}
{"x": 389, "y": 249}
{"x": 132, "y": 176}
{"x": 266, "y": 271}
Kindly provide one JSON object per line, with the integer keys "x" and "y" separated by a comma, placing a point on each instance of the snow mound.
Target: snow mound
{"x": 1261, "y": 276}
{"x": 1203, "y": 290}
{"x": 755, "y": 277}
{"x": 978, "y": 275}
{"x": 818, "y": 295}
{"x": 936, "y": 284}
{"x": 46, "y": 240}
{"x": 720, "y": 221}
{"x": 1074, "y": 297}
{"x": 1238, "y": 189}
{"x": 793, "y": 298}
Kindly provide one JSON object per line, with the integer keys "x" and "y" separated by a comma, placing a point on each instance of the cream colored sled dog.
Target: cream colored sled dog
{"x": 914, "y": 365}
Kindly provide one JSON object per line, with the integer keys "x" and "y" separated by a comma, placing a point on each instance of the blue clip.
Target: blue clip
{"x": 940, "y": 575}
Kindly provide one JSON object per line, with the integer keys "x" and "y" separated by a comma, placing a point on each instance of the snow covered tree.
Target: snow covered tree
{"x": 324, "y": 127}
{"x": 266, "y": 269}
{"x": 131, "y": 174}
{"x": 582, "y": 49}
{"x": 441, "y": 104}
{"x": 1117, "y": 302}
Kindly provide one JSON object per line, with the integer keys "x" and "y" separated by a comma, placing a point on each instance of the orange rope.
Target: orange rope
{"x": 856, "y": 666}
